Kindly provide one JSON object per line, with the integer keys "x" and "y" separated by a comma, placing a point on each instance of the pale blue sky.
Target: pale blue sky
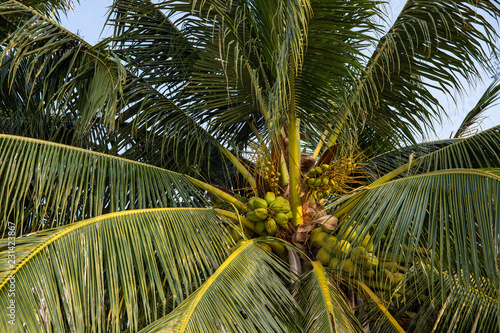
{"x": 89, "y": 17}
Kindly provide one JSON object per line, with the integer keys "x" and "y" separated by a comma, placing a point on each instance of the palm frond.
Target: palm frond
{"x": 478, "y": 151}
{"x": 487, "y": 100}
{"x": 324, "y": 304}
{"x": 156, "y": 131}
{"x": 431, "y": 45}
{"x": 288, "y": 21}
{"x": 113, "y": 272}
{"x": 249, "y": 273}
{"x": 199, "y": 96}
{"x": 337, "y": 34}
{"x": 450, "y": 217}
{"x": 450, "y": 305}
{"x": 393, "y": 159}
{"x": 151, "y": 46}
{"x": 229, "y": 78}
{"x": 76, "y": 76}
{"x": 51, "y": 8}
{"x": 436, "y": 300}
{"x": 44, "y": 185}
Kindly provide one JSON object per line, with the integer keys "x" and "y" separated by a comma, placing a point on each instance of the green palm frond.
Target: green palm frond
{"x": 77, "y": 77}
{"x": 52, "y": 8}
{"x": 465, "y": 308}
{"x": 324, "y": 304}
{"x": 150, "y": 44}
{"x": 384, "y": 321}
{"x": 113, "y": 272}
{"x": 154, "y": 130}
{"x": 289, "y": 22}
{"x": 187, "y": 105}
{"x": 432, "y": 44}
{"x": 44, "y": 185}
{"x": 227, "y": 88}
{"x": 448, "y": 216}
{"x": 478, "y": 151}
{"x": 247, "y": 275}
{"x": 393, "y": 159}
{"x": 333, "y": 58}
{"x": 487, "y": 100}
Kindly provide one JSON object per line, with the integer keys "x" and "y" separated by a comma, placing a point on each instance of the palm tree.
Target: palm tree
{"x": 144, "y": 180}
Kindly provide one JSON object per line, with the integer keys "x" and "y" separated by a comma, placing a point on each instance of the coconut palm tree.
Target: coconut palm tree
{"x": 246, "y": 166}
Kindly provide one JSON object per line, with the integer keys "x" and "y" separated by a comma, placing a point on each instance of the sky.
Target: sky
{"x": 89, "y": 16}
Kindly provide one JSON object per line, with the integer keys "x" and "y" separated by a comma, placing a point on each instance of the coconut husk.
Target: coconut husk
{"x": 328, "y": 222}
{"x": 299, "y": 245}
{"x": 307, "y": 162}
{"x": 313, "y": 210}
{"x": 328, "y": 155}
{"x": 286, "y": 192}
{"x": 303, "y": 232}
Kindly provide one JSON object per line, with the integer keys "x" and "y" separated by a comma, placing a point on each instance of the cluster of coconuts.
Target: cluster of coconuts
{"x": 268, "y": 213}
{"x": 356, "y": 260}
{"x": 321, "y": 181}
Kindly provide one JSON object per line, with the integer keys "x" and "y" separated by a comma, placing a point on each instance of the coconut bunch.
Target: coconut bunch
{"x": 336, "y": 176}
{"x": 268, "y": 213}
{"x": 321, "y": 181}
{"x": 352, "y": 252}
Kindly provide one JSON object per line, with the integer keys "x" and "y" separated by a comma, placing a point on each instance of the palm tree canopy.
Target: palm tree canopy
{"x": 126, "y": 168}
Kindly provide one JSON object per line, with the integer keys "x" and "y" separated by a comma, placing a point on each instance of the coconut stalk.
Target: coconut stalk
{"x": 294, "y": 156}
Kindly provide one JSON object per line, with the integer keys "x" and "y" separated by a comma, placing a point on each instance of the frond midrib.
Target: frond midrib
{"x": 321, "y": 278}
{"x": 86, "y": 151}
{"x": 478, "y": 172}
{"x": 206, "y": 286}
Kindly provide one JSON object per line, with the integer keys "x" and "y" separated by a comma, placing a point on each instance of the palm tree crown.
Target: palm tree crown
{"x": 247, "y": 166}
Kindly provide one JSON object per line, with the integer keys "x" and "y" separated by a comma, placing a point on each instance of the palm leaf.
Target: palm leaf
{"x": 393, "y": 159}
{"x": 113, "y": 272}
{"x": 454, "y": 306}
{"x": 151, "y": 45}
{"x": 478, "y": 151}
{"x": 249, "y": 273}
{"x": 436, "y": 300}
{"x": 44, "y": 185}
{"x": 431, "y": 45}
{"x": 337, "y": 35}
{"x": 174, "y": 111}
{"x": 448, "y": 218}
{"x": 435, "y": 216}
{"x": 486, "y": 102}
{"x": 324, "y": 304}
{"x": 156, "y": 131}
{"x": 52, "y": 8}
{"x": 76, "y": 75}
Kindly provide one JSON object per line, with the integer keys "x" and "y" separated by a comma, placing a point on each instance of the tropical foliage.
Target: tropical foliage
{"x": 247, "y": 166}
